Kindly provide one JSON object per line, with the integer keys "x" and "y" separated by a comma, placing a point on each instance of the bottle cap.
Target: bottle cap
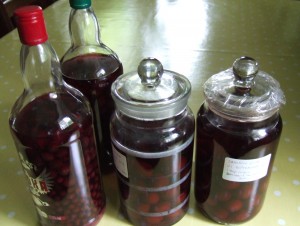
{"x": 80, "y": 4}
{"x": 31, "y": 25}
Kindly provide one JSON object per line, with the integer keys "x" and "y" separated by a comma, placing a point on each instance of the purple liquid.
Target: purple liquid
{"x": 157, "y": 190}
{"x": 222, "y": 200}
{"x": 86, "y": 74}
{"x": 55, "y": 142}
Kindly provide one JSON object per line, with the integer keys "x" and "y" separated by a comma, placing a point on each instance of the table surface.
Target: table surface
{"x": 196, "y": 38}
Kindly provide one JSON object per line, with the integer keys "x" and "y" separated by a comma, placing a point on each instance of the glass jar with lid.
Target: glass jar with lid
{"x": 152, "y": 138}
{"x": 238, "y": 131}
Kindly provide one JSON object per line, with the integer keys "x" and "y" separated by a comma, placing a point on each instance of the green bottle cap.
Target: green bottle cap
{"x": 80, "y": 4}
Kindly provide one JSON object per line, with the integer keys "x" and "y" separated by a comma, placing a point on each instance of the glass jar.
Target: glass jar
{"x": 238, "y": 130}
{"x": 52, "y": 127}
{"x": 152, "y": 137}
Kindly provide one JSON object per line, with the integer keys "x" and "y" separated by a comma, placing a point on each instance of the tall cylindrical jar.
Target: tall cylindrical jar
{"x": 238, "y": 131}
{"x": 52, "y": 127}
{"x": 91, "y": 67}
{"x": 152, "y": 138}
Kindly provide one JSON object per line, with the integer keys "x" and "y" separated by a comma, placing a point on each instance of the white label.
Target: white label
{"x": 120, "y": 162}
{"x": 241, "y": 170}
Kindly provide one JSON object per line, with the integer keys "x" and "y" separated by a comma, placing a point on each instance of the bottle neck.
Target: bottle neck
{"x": 83, "y": 27}
{"x": 40, "y": 69}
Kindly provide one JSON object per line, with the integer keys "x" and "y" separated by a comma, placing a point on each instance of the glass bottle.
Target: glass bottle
{"x": 52, "y": 127}
{"x": 91, "y": 67}
{"x": 238, "y": 131}
{"x": 154, "y": 160}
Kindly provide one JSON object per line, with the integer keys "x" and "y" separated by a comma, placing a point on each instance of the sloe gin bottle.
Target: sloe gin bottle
{"x": 52, "y": 127}
{"x": 91, "y": 67}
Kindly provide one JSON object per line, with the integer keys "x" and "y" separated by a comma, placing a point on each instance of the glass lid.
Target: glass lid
{"x": 243, "y": 92}
{"x": 151, "y": 93}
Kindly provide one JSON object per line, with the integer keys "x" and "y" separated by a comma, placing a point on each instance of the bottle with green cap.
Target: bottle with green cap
{"x": 91, "y": 67}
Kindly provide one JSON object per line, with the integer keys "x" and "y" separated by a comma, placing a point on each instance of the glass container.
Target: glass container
{"x": 52, "y": 127}
{"x": 238, "y": 131}
{"x": 152, "y": 138}
{"x": 91, "y": 67}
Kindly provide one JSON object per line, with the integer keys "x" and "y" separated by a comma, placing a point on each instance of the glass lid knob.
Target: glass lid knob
{"x": 150, "y": 71}
{"x": 244, "y": 70}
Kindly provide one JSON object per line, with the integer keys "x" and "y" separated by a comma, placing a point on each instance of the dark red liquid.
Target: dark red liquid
{"x": 156, "y": 191}
{"x": 222, "y": 200}
{"x": 93, "y": 75}
{"x": 55, "y": 142}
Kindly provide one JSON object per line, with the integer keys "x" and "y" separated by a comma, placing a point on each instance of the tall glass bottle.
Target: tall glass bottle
{"x": 91, "y": 67}
{"x": 52, "y": 126}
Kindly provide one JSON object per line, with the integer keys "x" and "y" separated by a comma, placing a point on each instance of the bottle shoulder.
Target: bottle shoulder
{"x": 51, "y": 111}
{"x": 92, "y": 66}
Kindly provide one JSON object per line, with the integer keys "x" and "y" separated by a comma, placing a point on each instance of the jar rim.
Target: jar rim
{"x": 164, "y": 100}
{"x": 263, "y": 99}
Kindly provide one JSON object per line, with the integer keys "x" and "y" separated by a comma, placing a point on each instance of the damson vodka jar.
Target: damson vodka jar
{"x": 52, "y": 126}
{"x": 152, "y": 137}
{"x": 91, "y": 67}
{"x": 238, "y": 130}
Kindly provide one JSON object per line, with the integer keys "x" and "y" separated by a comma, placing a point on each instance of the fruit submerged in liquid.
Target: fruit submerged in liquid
{"x": 93, "y": 74}
{"x": 157, "y": 194}
{"x": 156, "y": 188}
{"x": 55, "y": 142}
{"x": 229, "y": 201}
